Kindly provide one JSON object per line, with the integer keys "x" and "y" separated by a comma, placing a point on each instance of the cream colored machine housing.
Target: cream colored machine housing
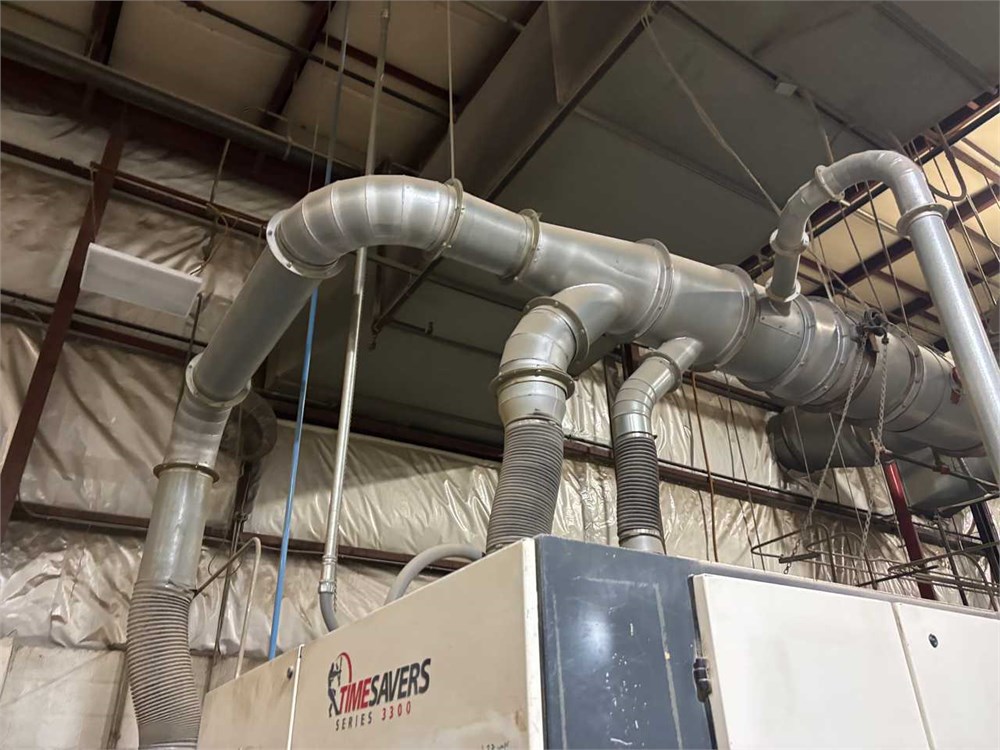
{"x": 453, "y": 665}
{"x": 553, "y": 643}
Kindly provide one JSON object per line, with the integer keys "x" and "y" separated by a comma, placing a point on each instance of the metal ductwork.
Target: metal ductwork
{"x": 640, "y": 525}
{"x": 800, "y": 351}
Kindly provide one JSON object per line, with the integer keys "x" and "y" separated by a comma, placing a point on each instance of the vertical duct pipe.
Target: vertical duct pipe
{"x": 640, "y": 525}
{"x": 167, "y": 701}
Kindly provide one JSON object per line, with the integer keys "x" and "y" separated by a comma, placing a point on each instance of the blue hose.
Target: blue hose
{"x": 279, "y": 590}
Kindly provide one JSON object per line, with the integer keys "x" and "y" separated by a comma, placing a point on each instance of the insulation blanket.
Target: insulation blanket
{"x": 105, "y": 425}
{"x": 73, "y": 588}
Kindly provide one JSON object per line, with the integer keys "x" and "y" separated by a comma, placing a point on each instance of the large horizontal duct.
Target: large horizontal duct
{"x": 799, "y": 351}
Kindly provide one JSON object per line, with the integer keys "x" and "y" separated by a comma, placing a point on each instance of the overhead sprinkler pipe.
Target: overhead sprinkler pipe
{"x": 922, "y": 219}
{"x": 803, "y": 352}
{"x": 640, "y": 525}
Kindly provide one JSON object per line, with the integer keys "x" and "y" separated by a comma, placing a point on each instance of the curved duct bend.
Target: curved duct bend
{"x": 531, "y": 392}
{"x": 640, "y": 525}
{"x": 922, "y": 219}
{"x": 803, "y": 352}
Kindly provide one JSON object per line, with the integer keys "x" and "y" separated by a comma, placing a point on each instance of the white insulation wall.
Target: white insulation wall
{"x": 64, "y": 593}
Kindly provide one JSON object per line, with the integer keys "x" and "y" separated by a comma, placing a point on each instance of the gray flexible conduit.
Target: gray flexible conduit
{"x": 638, "y": 483}
{"x": 525, "y": 501}
{"x": 430, "y": 556}
{"x": 167, "y": 702}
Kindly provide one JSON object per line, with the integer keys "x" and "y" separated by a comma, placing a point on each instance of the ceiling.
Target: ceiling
{"x": 629, "y": 156}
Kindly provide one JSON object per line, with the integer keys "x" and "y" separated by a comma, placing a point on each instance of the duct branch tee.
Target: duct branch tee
{"x": 640, "y": 525}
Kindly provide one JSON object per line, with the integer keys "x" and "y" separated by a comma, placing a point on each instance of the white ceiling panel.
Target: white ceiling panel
{"x": 777, "y": 136}
{"x": 850, "y": 55}
{"x": 588, "y": 177}
{"x": 198, "y": 57}
{"x": 65, "y": 25}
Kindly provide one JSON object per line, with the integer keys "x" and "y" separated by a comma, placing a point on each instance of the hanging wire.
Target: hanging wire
{"x": 279, "y": 591}
{"x": 451, "y": 94}
{"x": 888, "y": 259}
{"x": 733, "y": 436}
{"x": 708, "y": 466}
{"x": 855, "y": 379}
{"x": 706, "y": 119}
{"x": 877, "y": 438}
{"x": 971, "y": 247}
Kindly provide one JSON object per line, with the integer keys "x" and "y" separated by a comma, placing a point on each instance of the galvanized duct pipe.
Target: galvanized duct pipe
{"x": 922, "y": 219}
{"x": 640, "y": 525}
{"x": 167, "y": 702}
{"x": 802, "y": 352}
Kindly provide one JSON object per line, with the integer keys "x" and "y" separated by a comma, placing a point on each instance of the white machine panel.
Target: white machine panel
{"x": 794, "y": 668}
{"x": 955, "y": 665}
{"x": 454, "y": 664}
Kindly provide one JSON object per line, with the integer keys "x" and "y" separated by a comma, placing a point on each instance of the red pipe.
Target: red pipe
{"x": 898, "y": 494}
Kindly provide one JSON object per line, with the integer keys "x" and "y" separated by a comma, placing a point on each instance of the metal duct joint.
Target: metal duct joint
{"x": 640, "y": 525}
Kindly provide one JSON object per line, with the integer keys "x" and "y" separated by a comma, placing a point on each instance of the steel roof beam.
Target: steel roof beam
{"x": 903, "y": 247}
{"x": 562, "y": 52}
{"x": 103, "y": 27}
{"x": 361, "y": 56}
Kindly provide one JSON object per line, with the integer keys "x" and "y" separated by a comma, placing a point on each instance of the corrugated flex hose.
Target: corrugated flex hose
{"x": 167, "y": 702}
{"x": 525, "y": 501}
{"x": 638, "y": 484}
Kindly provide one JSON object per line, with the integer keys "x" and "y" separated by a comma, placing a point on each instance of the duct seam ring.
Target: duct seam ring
{"x": 572, "y": 320}
{"x": 796, "y": 292}
{"x": 293, "y": 264}
{"x": 819, "y": 177}
{"x": 749, "y": 315}
{"x": 661, "y": 295}
{"x": 528, "y": 253}
{"x": 456, "y": 220}
{"x": 563, "y": 379}
{"x": 201, "y": 468}
{"x": 631, "y": 533}
{"x": 903, "y": 225}
{"x": 790, "y": 252}
{"x": 192, "y": 388}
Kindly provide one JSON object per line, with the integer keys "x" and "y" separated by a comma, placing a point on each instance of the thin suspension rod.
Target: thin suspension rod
{"x": 327, "y": 583}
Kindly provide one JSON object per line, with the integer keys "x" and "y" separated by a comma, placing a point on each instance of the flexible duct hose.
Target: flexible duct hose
{"x": 167, "y": 703}
{"x": 638, "y": 483}
{"x": 525, "y": 501}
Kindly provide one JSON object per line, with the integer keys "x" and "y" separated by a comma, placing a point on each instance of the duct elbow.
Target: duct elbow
{"x": 312, "y": 237}
{"x": 903, "y": 176}
{"x": 659, "y": 374}
{"x": 555, "y": 333}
